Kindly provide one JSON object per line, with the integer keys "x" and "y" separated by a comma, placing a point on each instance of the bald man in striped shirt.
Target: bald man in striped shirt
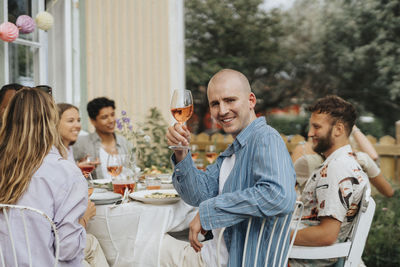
{"x": 252, "y": 178}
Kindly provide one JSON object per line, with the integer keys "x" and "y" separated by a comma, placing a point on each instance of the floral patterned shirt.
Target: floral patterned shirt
{"x": 335, "y": 190}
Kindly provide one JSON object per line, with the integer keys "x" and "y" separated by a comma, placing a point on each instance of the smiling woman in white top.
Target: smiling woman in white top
{"x": 33, "y": 173}
{"x": 69, "y": 127}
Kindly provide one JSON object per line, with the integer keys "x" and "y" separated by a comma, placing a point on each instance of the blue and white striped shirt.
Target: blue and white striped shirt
{"x": 261, "y": 184}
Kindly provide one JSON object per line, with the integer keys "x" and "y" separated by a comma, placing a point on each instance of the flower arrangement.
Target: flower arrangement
{"x": 148, "y": 139}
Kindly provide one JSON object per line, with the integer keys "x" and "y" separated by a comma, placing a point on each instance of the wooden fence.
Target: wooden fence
{"x": 387, "y": 147}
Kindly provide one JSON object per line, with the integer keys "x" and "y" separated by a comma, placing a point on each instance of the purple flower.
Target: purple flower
{"x": 130, "y": 127}
{"x": 126, "y": 120}
{"x": 123, "y": 113}
{"x": 119, "y": 125}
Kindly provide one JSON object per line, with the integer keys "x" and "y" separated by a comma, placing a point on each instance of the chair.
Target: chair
{"x": 352, "y": 249}
{"x": 22, "y": 210}
{"x": 279, "y": 258}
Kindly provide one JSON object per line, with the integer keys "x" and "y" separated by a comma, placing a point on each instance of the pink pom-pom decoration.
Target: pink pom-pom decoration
{"x": 8, "y": 31}
{"x": 25, "y": 24}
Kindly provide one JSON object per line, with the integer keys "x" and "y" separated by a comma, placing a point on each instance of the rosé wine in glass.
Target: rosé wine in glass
{"x": 119, "y": 186}
{"x": 182, "y": 110}
{"x": 182, "y": 114}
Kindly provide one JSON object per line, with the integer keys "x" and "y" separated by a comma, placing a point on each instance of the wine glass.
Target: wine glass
{"x": 87, "y": 165}
{"x": 195, "y": 151}
{"x": 182, "y": 110}
{"x": 114, "y": 164}
{"x": 211, "y": 153}
{"x": 90, "y": 187}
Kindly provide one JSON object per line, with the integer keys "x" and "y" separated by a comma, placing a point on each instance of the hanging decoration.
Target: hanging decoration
{"x": 25, "y": 24}
{"x": 8, "y": 31}
{"x": 44, "y": 20}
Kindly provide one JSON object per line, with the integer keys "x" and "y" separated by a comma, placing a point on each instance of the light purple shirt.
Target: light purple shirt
{"x": 70, "y": 154}
{"x": 57, "y": 188}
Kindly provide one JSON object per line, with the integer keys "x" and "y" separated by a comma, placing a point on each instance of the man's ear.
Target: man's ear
{"x": 339, "y": 129}
{"x": 252, "y": 100}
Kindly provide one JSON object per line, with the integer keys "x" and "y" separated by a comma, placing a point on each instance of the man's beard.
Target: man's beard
{"x": 324, "y": 143}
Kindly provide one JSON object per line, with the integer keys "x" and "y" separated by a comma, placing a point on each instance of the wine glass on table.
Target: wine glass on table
{"x": 117, "y": 164}
{"x": 195, "y": 151}
{"x": 87, "y": 165}
{"x": 211, "y": 153}
{"x": 114, "y": 165}
{"x": 182, "y": 110}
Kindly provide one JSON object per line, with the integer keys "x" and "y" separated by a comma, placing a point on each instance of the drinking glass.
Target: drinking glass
{"x": 114, "y": 164}
{"x": 90, "y": 187}
{"x": 129, "y": 167}
{"x": 87, "y": 165}
{"x": 182, "y": 110}
{"x": 195, "y": 151}
{"x": 211, "y": 153}
{"x": 119, "y": 186}
{"x": 152, "y": 182}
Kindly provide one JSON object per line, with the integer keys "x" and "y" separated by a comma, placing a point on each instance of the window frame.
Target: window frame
{"x": 39, "y": 58}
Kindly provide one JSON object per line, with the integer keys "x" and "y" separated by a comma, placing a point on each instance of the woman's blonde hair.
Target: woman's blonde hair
{"x": 26, "y": 137}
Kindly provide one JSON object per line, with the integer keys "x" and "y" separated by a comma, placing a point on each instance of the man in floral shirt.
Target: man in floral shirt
{"x": 333, "y": 193}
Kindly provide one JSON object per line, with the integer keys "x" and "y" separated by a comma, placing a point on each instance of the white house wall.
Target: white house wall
{"x": 130, "y": 56}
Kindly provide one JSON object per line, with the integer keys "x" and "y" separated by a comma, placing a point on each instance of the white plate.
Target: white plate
{"x": 141, "y": 196}
{"x": 105, "y": 202}
{"x": 99, "y": 190}
{"x": 102, "y": 181}
{"x": 101, "y": 198}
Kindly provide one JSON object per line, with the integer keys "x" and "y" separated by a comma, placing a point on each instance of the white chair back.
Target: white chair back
{"x": 279, "y": 257}
{"x": 353, "y": 248}
{"x": 22, "y": 209}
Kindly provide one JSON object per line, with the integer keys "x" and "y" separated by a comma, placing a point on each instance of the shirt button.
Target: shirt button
{"x": 177, "y": 170}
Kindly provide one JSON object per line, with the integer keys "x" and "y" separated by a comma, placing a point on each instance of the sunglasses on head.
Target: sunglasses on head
{"x": 45, "y": 88}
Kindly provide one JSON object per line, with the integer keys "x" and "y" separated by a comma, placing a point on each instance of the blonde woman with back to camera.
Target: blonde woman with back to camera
{"x": 33, "y": 173}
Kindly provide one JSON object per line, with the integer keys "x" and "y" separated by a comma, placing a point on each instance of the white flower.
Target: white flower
{"x": 147, "y": 138}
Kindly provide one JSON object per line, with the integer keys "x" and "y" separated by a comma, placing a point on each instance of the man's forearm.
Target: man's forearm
{"x": 324, "y": 234}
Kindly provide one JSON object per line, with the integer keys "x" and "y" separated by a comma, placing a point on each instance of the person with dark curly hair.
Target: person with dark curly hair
{"x": 103, "y": 141}
{"x": 332, "y": 194}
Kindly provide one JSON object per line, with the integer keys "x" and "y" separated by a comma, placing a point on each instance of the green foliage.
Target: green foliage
{"x": 237, "y": 34}
{"x": 355, "y": 54}
{"x": 383, "y": 244}
{"x": 315, "y": 48}
{"x": 288, "y": 125}
{"x": 229, "y": 34}
{"x": 374, "y": 128}
{"x": 150, "y": 145}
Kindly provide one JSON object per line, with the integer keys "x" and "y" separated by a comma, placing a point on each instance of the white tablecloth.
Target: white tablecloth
{"x": 131, "y": 233}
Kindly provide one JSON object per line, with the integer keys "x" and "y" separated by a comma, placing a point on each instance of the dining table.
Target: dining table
{"x": 131, "y": 233}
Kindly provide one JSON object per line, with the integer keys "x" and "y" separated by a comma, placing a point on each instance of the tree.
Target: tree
{"x": 357, "y": 54}
{"x": 318, "y": 47}
{"x": 234, "y": 34}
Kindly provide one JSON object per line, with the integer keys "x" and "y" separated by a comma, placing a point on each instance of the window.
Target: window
{"x": 25, "y": 58}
